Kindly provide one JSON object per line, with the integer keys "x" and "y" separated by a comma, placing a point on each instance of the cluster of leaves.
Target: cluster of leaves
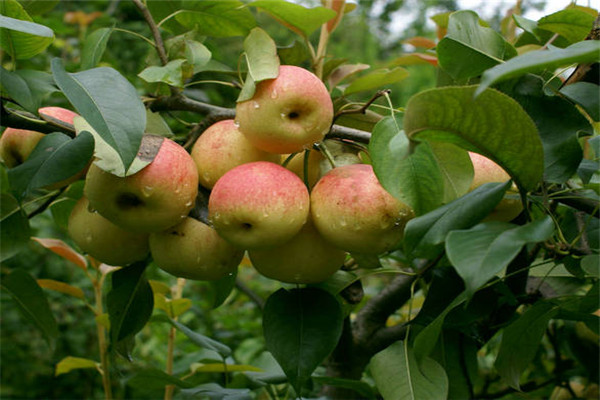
{"x": 533, "y": 280}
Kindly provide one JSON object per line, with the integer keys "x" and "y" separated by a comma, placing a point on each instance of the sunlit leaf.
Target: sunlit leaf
{"x": 492, "y": 124}
{"x": 70, "y": 363}
{"x": 572, "y": 23}
{"x": 216, "y": 18}
{"x": 398, "y": 376}
{"x": 539, "y": 60}
{"x": 414, "y": 179}
{"x": 171, "y": 74}
{"x": 469, "y": 48}
{"x": 376, "y": 79}
{"x": 94, "y": 47}
{"x": 19, "y": 35}
{"x": 300, "y": 19}
{"x": 109, "y": 103}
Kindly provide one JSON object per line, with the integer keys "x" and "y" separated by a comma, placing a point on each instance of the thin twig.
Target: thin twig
{"x": 158, "y": 42}
{"x": 256, "y": 299}
{"x": 364, "y": 107}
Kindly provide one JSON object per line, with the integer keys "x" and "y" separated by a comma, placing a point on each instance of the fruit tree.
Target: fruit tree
{"x": 209, "y": 199}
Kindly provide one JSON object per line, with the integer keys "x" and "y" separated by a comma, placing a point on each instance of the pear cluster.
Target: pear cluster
{"x": 295, "y": 213}
{"x": 293, "y": 229}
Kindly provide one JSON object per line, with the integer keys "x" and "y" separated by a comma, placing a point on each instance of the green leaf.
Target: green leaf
{"x": 540, "y": 60}
{"x": 94, "y": 47}
{"x": 586, "y": 95}
{"x": 107, "y": 158}
{"x": 426, "y": 339}
{"x": 520, "y": 341}
{"x": 38, "y": 7}
{"x": 558, "y": 123}
{"x": 481, "y": 252}
{"x": 398, "y": 375}
{"x": 492, "y": 124}
{"x": 222, "y": 288}
{"x": 197, "y": 338}
{"x": 109, "y": 103}
{"x": 469, "y": 48}
{"x": 216, "y": 18}
{"x": 223, "y": 368}
{"x": 591, "y": 265}
{"x": 456, "y": 168}
{"x": 424, "y": 235}
{"x": 19, "y": 35}
{"x": 301, "y": 328}
{"x": 171, "y": 74}
{"x": 14, "y": 227}
{"x": 360, "y": 387}
{"x": 69, "y": 363}
{"x": 31, "y": 301}
{"x": 18, "y": 90}
{"x": 129, "y": 302}
{"x": 156, "y": 125}
{"x": 215, "y": 391}
{"x": 262, "y": 60}
{"x": 55, "y": 159}
{"x": 299, "y": 19}
{"x": 25, "y": 26}
{"x": 376, "y": 79}
{"x": 197, "y": 55}
{"x": 152, "y": 379}
{"x": 573, "y": 24}
{"x": 261, "y": 54}
{"x": 414, "y": 179}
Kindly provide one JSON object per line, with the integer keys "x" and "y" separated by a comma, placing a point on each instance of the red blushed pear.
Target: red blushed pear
{"x": 286, "y": 114}
{"x": 258, "y": 205}
{"x": 194, "y": 250}
{"x": 59, "y": 113}
{"x": 153, "y": 199}
{"x": 485, "y": 171}
{"x": 306, "y": 258}
{"x": 103, "y": 240}
{"x": 17, "y": 144}
{"x": 355, "y": 213}
{"x": 222, "y": 147}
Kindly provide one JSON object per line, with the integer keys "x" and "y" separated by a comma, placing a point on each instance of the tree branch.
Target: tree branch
{"x": 369, "y": 328}
{"x": 158, "y": 42}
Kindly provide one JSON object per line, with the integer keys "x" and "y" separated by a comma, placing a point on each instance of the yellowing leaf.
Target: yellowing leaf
{"x": 179, "y": 306}
{"x": 220, "y": 367}
{"x": 69, "y": 363}
{"x": 59, "y": 247}
{"x": 61, "y": 287}
{"x": 159, "y": 287}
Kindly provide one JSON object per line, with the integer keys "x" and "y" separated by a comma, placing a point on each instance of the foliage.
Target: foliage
{"x": 465, "y": 307}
